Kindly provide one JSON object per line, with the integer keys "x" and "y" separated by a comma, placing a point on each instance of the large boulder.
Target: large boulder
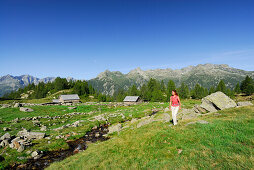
{"x": 31, "y": 135}
{"x": 217, "y": 101}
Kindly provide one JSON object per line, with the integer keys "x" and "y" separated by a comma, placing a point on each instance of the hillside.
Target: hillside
{"x": 131, "y": 136}
{"x": 220, "y": 141}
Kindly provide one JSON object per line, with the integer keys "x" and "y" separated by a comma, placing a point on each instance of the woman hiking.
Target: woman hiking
{"x": 175, "y": 105}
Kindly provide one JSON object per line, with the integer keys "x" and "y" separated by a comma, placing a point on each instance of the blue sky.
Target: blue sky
{"x": 81, "y": 38}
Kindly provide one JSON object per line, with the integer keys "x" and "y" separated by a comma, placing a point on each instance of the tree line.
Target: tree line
{"x": 153, "y": 90}
{"x": 41, "y": 90}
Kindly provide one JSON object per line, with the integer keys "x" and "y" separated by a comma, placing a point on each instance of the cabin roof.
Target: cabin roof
{"x": 69, "y": 97}
{"x": 55, "y": 101}
{"x": 131, "y": 99}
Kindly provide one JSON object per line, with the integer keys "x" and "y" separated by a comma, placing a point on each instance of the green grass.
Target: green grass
{"x": 8, "y": 114}
{"x": 225, "y": 143}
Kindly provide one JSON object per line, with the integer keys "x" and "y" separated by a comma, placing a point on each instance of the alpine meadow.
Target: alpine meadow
{"x": 141, "y": 84}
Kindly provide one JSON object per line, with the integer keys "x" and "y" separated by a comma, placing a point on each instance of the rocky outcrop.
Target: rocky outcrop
{"x": 30, "y": 135}
{"x": 25, "y": 109}
{"x": 216, "y": 101}
{"x": 245, "y": 103}
{"x": 115, "y": 128}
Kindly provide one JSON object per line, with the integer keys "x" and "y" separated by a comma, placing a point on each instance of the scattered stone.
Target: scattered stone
{"x": 21, "y": 148}
{"x": 115, "y": 128}
{"x": 71, "y": 108}
{"x": 167, "y": 109}
{"x": 6, "y": 129}
{"x": 17, "y": 105}
{"x": 245, "y": 103}
{"x": 43, "y": 128}
{"x": 134, "y": 120}
{"x": 4, "y": 143}
{"x": 166, "y": 117}
{"x": 25, "y": 109}
{"x": 5, "y": 105}
{"x": 144, "y": 122}
{"x": 36, "y": 154}
{"x": 202, "y": 122}
{"x": 6, "y": 136}
{"x": 21, "y": 158}
{"x": 28, "y": 152}
{"x": 31, "y": 135}
{"x": 179, "y": 151}
{"x": 199, "y": 121}
{"x": 36, "y": 123}
{"x": 97, "y": 135}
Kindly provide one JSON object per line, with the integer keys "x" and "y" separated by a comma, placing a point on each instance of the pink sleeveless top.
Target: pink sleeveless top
{"x": 174, "y": 100}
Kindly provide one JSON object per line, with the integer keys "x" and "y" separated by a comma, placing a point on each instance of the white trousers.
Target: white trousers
{"x": 174, "y": 110}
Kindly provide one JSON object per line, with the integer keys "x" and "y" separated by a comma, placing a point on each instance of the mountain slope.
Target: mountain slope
{"x": 205, "y": 74}
{"x": 10, "y": 83}
{"x": 109, "y": 82}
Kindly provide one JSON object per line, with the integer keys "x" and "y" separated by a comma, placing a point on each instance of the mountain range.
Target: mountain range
{"x": 109, "y": 82}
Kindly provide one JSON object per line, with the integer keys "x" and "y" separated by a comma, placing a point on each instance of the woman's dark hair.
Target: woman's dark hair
{"x": 175, "y": 92}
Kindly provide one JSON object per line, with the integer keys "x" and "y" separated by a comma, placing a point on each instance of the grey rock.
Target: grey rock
{"x": 199, "y": 109}
{"x": 21, "y": 148}
{"x": 25, "y": 109}
{"x": 115, "y": 128}
{"x": 134, "y": 120}
{"x": 31, "y": 135}
{"x": 199, "y": 121}
{"x": 202, "y": 122}
{"x": 71, "y": 108}
{"x": 36, "y": 154}
{"x": 35, "y": 135}
{"x": 97, "y": 134}
{"x": 6, "y": 129}
{"x": 167, "y": 109}
{"x": 217, "y": 101}
{"x": 5, "y": 105}
{"x": 244, "y": 103}
{"x": 4, "y": 143}
{"x": 17, "y": 105}
{"x": 43, "y": 128}
{"x": 144, "y": 122}
{"x": 5, "y": 136}
{"x": 166, "y": 117}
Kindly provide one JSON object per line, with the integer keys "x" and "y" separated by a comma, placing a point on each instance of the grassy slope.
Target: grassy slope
{"x": 226, "y": 143}
{"x": 8, "y": 114}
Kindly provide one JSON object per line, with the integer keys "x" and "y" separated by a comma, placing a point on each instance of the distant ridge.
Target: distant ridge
{"x": 206, "y": 75}
{"x": 109, "y": 82}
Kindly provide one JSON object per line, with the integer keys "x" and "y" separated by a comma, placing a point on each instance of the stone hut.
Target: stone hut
{"x": 69, "y": 98}
{"x": 132, "y": 99}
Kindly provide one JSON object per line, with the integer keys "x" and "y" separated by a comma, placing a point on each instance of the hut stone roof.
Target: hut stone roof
{"x": 69, "y": 97}
{"x": 131, "y": 99}
{"x": 55, "y": 100}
